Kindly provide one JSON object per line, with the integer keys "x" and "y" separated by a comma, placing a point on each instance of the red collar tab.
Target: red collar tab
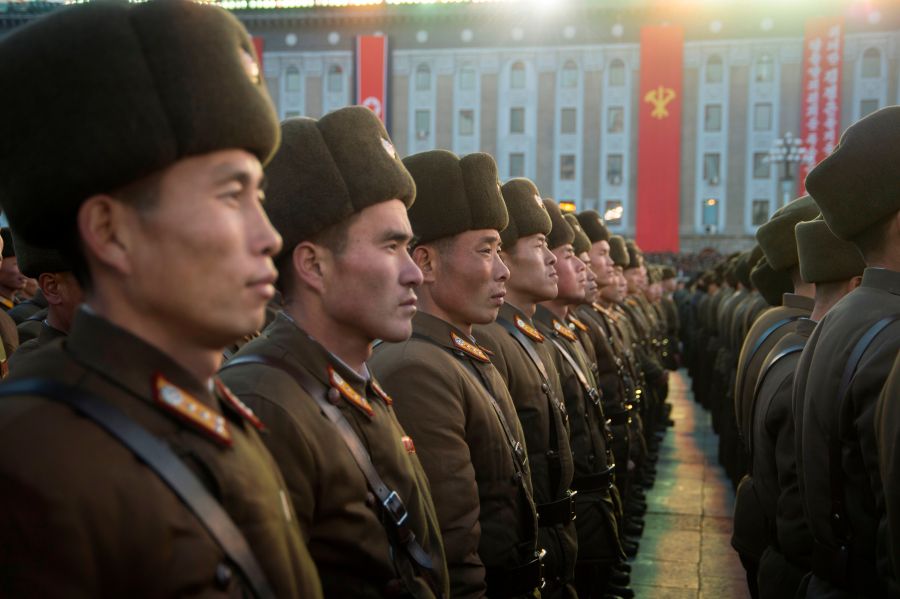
{"x": 182, "y": 404}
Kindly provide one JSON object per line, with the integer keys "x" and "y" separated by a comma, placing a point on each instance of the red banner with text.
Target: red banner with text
{"x": 659, "y": 138}
{"x": 820, "y": 116}
{"x": 371, "y": 73}
{"x": 259, "y": 45}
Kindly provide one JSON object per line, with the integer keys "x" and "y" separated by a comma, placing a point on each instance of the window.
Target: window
{"x": 867, "y": 107}
{"x": 616, "y": 73}
{"x": 423, "y": 124}
{"x": 762, "y": 117}
{"x": 568, "y": 118}
{"x": 466, "y": 122}
{"x": 712, "y": 119}
{"x": 612, "y": 213}
{"x": 292, "y": 79}
{"x": 423, "y": 78}
{"x": 710, "y": 212}
{"x": 335, "y": 79}
{"x": 569, "y": 76}
{"x": 467, "y": 78}
{"x": 517, "y": 76}
{"x": 760, "y": 212}
{"x": 291, "y": 114}
{"x": 711, "y": 168}
{"x": 517, "y": 120}
{"x": 614, "y": 169}
{"x": 517, "y": 164}
{"x": 765, "y": 69}
{"x": 761, "y": 165}
{"x": 567, "y": 167}
{"x": 615, "y": 119}
{"x": 714, "y": 70}
{"x": 871, "y": 64}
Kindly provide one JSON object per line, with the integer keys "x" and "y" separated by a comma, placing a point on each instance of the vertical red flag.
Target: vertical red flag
{"x": 820, "y": 116}
{"x": 258, "y": 45}
{"x": 659, "y": 138}
{"x": 371, "y": 73}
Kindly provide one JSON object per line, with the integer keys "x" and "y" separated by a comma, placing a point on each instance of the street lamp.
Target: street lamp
{"x": 787, "y": 151}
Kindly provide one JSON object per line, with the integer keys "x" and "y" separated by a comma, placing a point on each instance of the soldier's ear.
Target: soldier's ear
{"x": 107, "y": 229}
{"x": 425, "y": 258}
{"x": 307, "y": 264}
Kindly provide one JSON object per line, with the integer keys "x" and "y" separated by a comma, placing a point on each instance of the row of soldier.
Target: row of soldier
{"x": 791, "y": 347}
{"x": 497, "y": 441}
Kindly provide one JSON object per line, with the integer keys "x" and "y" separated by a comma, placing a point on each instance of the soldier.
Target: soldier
{"x": 12, "y": 281}
{"x": 844, "y": 366}
{"x": 128, "y": 468}
{"x": 597, "y": 504}
{"x": 61, "y": 290}
{"x": 671, "y": 348}
{"x": 885, "y": 431}
{"x": 524, "y": 361}
{"x": 835, "y": 267}
{"x": 337, "y": 192}
{"x": 8, "y": 333}
{"x": 447, "y": 394}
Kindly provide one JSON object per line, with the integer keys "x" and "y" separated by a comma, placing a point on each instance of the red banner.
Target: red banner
{"x": 371, "y": 73}
{"x": 258, "y": 44}
{"x": 820, "y": 117}
{"x": 659, "y": 139}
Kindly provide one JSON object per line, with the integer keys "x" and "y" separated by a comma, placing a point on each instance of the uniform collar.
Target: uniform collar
{"x": 793, "y": 300}
{"x": 883, "y": 279}
{"x": 446, "y": 335}
{"x": 517, "y": 317}
{"x": 48, "y": 333}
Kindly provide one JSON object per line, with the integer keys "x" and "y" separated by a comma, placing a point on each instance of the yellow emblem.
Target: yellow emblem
{"x": 530, "y": 331}
{"x": 350, "y": 393}
{"x": 469, "y": 348}
{"x": 563, "y": 330}
{"x": 179, "y": 402}
{"x": 581, "y": 326}
{"x": 660, "y": 98}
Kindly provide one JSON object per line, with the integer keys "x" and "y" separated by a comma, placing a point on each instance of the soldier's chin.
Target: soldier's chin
{"x": 396, "y": 332}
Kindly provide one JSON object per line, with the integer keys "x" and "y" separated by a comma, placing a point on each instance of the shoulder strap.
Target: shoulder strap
{"x": 590, "y": 391}
{"x": 390, "y": 501}
{"x": 157, "y": 455}
{"x": 839, "y": 520}
{"x": 526, "y": 345}
{"x": 768, "y": 333}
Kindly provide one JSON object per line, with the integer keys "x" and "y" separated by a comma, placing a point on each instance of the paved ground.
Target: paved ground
{"x": 685, "y": 550}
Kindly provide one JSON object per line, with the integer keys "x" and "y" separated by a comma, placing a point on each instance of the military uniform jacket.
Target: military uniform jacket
{"x": 28, "y": 349}
{"x": 485, "y": 507}
{"x": 816, "y": 406}
{"x": 80, "y": 516}
{"x": 30, "y": 328}
{"x": 755, "y": 349}
{"x": 596, "y": 524}
{"x": 334, "y": 506}
{"x": 25, "y": 310}
{"x": 608, "y": 374}
{"x": 545, "y": 425}
{"x": 887, "y": 430}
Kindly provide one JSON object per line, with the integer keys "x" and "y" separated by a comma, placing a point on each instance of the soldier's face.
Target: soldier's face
{"x": 469, "y": 280}
{"x": 634, "y": 278}
{"x": 572, "y": 275}
{"x": 532, "y": 269}
{"x": 11, "y": 280}
{"x": 590, "y": 289}
{"x": 368, "y": 289}
{"x": 200, "y": 259}
{"x": 601, "y": 263}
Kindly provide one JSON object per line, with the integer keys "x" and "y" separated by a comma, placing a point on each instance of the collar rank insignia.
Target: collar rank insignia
{"x": 563, "y": 330}
{"x": 468, "y": 348}
{"x": 7, "y": 303}
{"x": 580, "y": 325}
{"x": 179, "y": 402}
{"x": 408, "y": 444}
{"x": 350, "y": 393}
{"x": 531, "y": 332}
{"x": 380, "y": 392}
{"x": 240, "y": 407}
{"x": 599, "y": 308}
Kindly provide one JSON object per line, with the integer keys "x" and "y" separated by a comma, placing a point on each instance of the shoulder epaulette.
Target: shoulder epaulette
{"x": 240, "y": 407}
{"x": 564, "y": 331}
{"x": 580, "y": 325}
{"x": 530, "y": 331}
{"x": 469, "y": 348}
{"x": 176, "y": 400}
{"x": 349, "y": 393}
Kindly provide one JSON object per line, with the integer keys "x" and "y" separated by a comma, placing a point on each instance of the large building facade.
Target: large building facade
{"x": 550, "y": 89}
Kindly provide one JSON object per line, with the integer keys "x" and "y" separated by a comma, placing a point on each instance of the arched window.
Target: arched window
{"x": 871, "y": 64}
{"x": 423, "y": 78}
{"x": 467, "y": 78}
{"x": 617, "y": 73}
{"x": 714, "y": 70}
{"x": 292, "y": 79}
{"x": 335, "y": 78}
{"x": 765, "y": 69}
{"x": 517, "y": 76}
{"x": 569, "y": 77}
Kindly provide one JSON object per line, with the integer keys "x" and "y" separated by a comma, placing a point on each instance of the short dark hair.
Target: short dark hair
{"x": 872, "y": 240}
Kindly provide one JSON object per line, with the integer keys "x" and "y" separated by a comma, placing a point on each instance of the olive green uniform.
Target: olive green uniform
{"x": 483, "y": 496}
{"x": 81, "y": 517}
{"x": 29, "y": 349}
{"x": 887, "y": 429}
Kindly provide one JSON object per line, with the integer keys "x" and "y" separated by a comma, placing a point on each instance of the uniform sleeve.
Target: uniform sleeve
{"x": 429, "y": 405}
